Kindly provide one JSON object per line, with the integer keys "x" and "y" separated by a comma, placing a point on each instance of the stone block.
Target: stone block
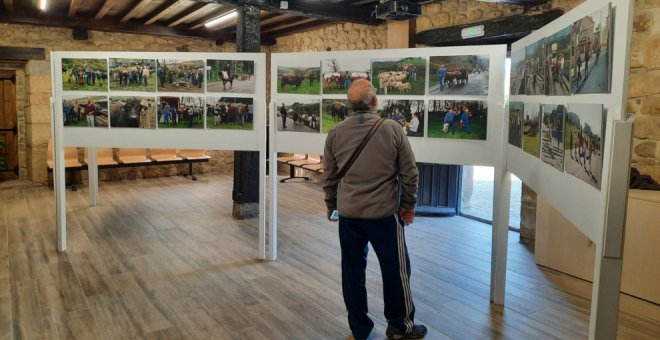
{"x": 38, "y": 68}
{"x": 37, "y": 167}
{"x": 645, "y": 149}
{"x": 646, "y": 4}
{"x": 475, "y": 15}
{"x": 39, "y": 84}
{"x": 528, "y": 195}
{"x": 39, "y": 114}
{"x": 643, "y": 83}
{"x": 38, "y": 135}
{"x": 635, "y": 105}
{"x": 39, "y": 99}
{"x": 431, "y": 8}
{"x": 651, "y": 105}
{"x": 652, "y": 55}
{"x": 459, "y": 19}
{"x": 642, "y": 22}
{"x": 441, "y": 20}
{"x": 637, "y": 54}
{"x": 647, "y": 127}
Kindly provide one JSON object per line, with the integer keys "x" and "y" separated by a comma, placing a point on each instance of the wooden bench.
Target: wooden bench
{"x": 71, "y": 162}
{"x": 302, "y": 161}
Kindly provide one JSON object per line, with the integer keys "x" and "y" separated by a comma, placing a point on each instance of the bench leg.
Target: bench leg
{"x": 292, "y": 175}
{"x": 190, "y": 172}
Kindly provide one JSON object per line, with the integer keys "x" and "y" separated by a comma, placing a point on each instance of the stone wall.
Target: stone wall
{"x": 339, "y": 37}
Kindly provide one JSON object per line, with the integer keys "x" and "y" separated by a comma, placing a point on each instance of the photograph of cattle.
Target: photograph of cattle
{"x": 532, "y": 129}
{"x": 133, "y": 112}
{"x": 84, "y": 74}
{"x": 459, "y": 75}
{"x": 517, "y": 85}
{"x": 408, "y": 113}
{"x": 590, "y": 58}
{"x": 176, "y": 75}
{"x": 132, "y": 75}
{"x": 458, "y": 119}
{"x": 339, "y": 74}
{"x": 403, "y": 76}
{"x": 583, "y": 145}
{"x": 85, "y": 111}
{"x": 233, "y": 76}
{"x": 334, "y": 112}
{"x": 558, "y": 63}
{"x": 229, "y": 113}
{"x": 535, "y": 68}
{"x": 181, "y": 112}
{"x": 516, "y": 123}
{"x": 300, "y": 77}
{"x": 299, "y": 115}
{"x": 552, "y": 135}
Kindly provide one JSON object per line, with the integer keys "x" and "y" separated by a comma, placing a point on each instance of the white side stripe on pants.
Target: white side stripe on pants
{"x": 405, "y": 281}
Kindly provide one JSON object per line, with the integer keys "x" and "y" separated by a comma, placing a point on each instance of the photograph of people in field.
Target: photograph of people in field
{"x": 84, "y": 74}
{"x": 458, "y": 119}
{"x": 339, "y": 74}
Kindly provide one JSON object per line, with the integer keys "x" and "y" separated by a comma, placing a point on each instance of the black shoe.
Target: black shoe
{"x": 418, "y": 332}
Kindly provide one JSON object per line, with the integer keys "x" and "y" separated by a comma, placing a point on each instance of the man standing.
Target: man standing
{"x": 449, "y": 121}
{"x": 90, "y": 109}
{"x": 442, "y": 73}
{"x": 413, "y": 126}
{"x": 283, "y": 114}
{"x": 377, "y": 196}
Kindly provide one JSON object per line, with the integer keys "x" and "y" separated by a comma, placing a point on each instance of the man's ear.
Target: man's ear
{"x": 375, "y": 102}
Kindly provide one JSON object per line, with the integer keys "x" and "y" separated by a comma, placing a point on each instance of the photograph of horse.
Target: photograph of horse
{"x": 232, "y": 76}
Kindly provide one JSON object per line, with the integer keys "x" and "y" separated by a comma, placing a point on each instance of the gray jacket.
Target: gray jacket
{"x": 370, "y": 189}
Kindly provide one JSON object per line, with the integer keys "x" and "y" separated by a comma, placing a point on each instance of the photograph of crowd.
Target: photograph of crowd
{"x": 334, "y": 112}
{"x": 408, "y": 113}
{"x": 339, "y": 74}
{"x": 517, "y": 86}
{"x": 133, "y": 75}
{"x": 299, "y": 77}
{"x": 85, "y": 111}
{"x": 459, "y": 75}
{"x": 535, "y": 68}
{"x": 532, "y": 129}
{"x": 235, "y": 76}
{"x": 557, "y": 63}
{"x": 133, "y": 112}
{"x": 403, "y": 76}
{"x": 552, "y": 135}
{"x": 516, "y": 123}
{"x": 85, "y": 74}
{"x": 229, "y": 113}
{"x": 299, "y": 115}
{"x": 458, "y": 119}
{"x": 584, "y": 142}
{"x": 181, "y": 112}
{"x": 180, "y": 75}
{"x": 590, "y": 39}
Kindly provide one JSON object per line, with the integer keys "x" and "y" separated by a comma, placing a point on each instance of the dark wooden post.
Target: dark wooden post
{"x": 246, "y": 163}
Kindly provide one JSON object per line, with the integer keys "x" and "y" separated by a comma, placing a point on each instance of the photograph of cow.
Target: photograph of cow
{"x": 183, "y": 112}
{"x": 408, "y": 113}
{"x": 84, "y": 74}
{"x": 459, "y": 75}
{"x": 532, "y": 129}
{"x": 458, "y": 119}
{"x": 583, "y": 142}
{"x": 339, "y": 74}
{"x": 133, "y": 112}
{"x": 176, "y": 75}
{"x": 229, "y": 113}
{"x": 552, "y": 135}
{"x": 231, "y": 76}
{"x": 401, "y": 76}
{"x": 590, "y": 52}
{"x": 517, "y": 86}
{"x": 299, "y": 115}
{"x": 133, "y": 75}
{"x": 516, "y": 123}
{"x": 85, "y": 111}
{"x": 558, "y": 63}
{"x": 300, "y": 77}
{"x": 334, "y": 112}
{"x": 535, "y": 68}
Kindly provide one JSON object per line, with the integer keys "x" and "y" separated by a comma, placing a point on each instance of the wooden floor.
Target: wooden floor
{"x": 163, "y": 259}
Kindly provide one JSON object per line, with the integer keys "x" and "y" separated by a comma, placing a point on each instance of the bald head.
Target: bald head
{"x": 362, "y": 96}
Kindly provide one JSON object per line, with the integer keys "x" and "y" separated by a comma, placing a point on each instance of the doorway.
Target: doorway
{"x": 8, "y": 126}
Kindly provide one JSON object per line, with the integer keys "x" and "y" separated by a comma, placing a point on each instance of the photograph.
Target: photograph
{"x": 181, "y": 112}
{"x": 180, "y": 75}
{"x": 531, "y": 129}
{"x": 517, "y": 86}
{"x": 229, "y": 113}
{"x": 132, "y": 74}
{"x": 300, "y": 77}
{"x": 408, "y": 113}
{"x": 231, "y": 76}
{"x": 402, "y": 76}
{"x": 516, "y": 123}
{"x": 558, "y": 63}
{"x": 534, "y": 68}
{"x": 85, "y": 111}
{"x": 583, "y": 131}
{"x": 133, "y": 112}
{"x": 85, "y": 74}
{"x": 552, "y": 135}
{"x": 459, "y": 75}
{"x": 334, "y": 112}
{"x": 590, "y": 66}
{"x": 458, "y": 119}
{"x": 299, "y": 115}
{"x": 339, "y": 74}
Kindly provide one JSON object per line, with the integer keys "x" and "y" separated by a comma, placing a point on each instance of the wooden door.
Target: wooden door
{"x": 8, "y": 125}
{"x": 438, "y": 190}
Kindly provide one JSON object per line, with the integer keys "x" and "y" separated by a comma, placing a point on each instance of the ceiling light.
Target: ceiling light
{"x": 221, "y": 19}
{"x": 43, "y": 4}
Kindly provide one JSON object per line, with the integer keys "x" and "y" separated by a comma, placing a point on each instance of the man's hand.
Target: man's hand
{"x": 407, "y": 215}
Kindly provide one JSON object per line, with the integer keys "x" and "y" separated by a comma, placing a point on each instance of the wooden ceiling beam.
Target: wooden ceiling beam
{"x": 73, "y": 8}
{"x": 188, "y": 13}
{"x": 9, "y": 4}
{"x": 133, "y": 10}
{"x": 163, "y": 10}
{"x": 107, "y": 6}
{"x": 292, "y": 24}
{"x": 22, "y": 53}
{"x": 300, "y": 28}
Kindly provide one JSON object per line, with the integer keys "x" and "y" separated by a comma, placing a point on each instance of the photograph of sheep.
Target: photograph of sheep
{"x": 182, "y": 112}
{"x": 408, "y": 113}
{"x": 402, "y": 76}
{"x": 85, "y": 111}
{"x": 552, "y": 135}
{"x": 558, "y": 63}
{"x": 180, "y": 75}
{"x": 517, "y": 86}
{"x": 339, "y": 74}
{"x": 132, "y": 75}
{"x": 532, "y": 129}
{"x": 234, "y": 76}
{"x": 84, "y": 74}
{"x": 583, "y": 142}
{"x": 458, "y": 119}
{"x": 516, "y": 123}
{"x": 133, "y": 112}
{"x": 459, "y": 75}
{"x": 229, "y": 113}
{"x": 590, "y": 61}
{"x": 334, "y": 111}
{"x": 299, "y": 115}
{"x": 300, "y": 77}
{"x": 535, "y": 68}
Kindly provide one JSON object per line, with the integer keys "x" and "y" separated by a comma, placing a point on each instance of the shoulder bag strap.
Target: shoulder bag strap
{"x": 359, "y": 149}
